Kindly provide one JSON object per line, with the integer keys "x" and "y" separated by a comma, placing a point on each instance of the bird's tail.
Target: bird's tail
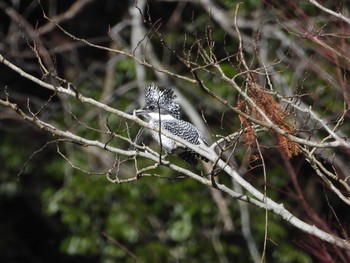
{"x": 192, "y": 157}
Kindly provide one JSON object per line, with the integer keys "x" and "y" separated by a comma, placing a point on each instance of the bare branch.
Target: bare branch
{"x": 329, "y": 11}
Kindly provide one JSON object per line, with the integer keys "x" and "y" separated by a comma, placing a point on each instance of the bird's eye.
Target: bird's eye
{"x": 151, "y": 107}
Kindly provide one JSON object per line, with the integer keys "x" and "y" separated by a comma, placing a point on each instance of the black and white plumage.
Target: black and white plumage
{"x": 162, "y": 108}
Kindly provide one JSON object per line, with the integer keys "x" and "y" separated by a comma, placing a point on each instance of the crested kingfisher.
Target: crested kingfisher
{"x": 161, "y": 109}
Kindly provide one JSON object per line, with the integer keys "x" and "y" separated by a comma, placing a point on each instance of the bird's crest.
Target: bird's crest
{"x": 164, "y": 100}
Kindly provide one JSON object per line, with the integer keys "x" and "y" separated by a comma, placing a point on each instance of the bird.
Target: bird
{"x": 161, "y": 109}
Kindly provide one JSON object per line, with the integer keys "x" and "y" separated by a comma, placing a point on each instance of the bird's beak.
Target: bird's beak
{"x": 140, "y": 112}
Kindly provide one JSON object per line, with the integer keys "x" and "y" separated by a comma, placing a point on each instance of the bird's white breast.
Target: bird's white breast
{"x": 168, "y": 144}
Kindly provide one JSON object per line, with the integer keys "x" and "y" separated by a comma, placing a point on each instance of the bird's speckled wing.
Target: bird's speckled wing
{"x": 190, "y": 133}
{"x": 185, "y": 130}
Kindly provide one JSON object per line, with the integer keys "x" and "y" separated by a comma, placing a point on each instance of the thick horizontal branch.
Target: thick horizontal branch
{"x": 261, "y": 201}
